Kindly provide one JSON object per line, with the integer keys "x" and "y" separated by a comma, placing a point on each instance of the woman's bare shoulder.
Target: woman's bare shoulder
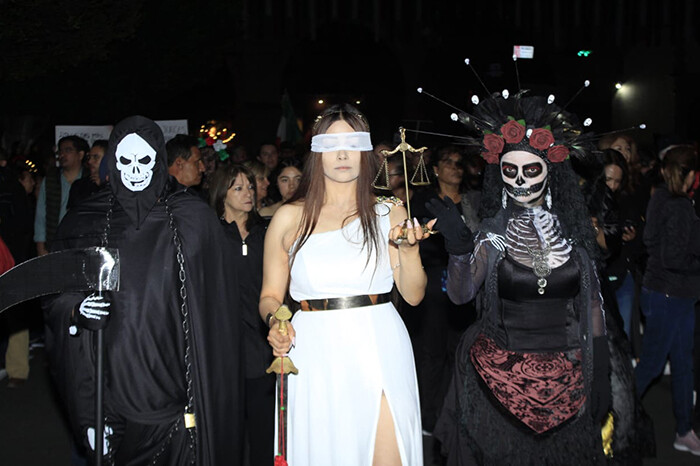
{"x": 289, "y": 213}
{"x": 285, "y": 224}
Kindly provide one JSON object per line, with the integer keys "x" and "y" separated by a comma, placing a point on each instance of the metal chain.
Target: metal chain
{"x": 386, "y": 172}
{"x": 383, "y": 168}
{"x": 108, "y": 223}
{"x": 166, "y": 442}
{"x": 184, "y": 311}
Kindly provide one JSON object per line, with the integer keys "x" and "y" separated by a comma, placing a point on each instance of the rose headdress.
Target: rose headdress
{"x": 504, "y": 123}
{"x": 535, "y": 124}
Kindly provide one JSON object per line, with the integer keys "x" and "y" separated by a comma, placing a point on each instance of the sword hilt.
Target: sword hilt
{"x": 283, "y": 314}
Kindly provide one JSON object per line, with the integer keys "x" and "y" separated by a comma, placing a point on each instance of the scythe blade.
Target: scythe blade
{"x": 58, "y": 272}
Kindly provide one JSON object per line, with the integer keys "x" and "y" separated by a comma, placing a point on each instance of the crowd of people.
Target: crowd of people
{"x": 561, "y": 279}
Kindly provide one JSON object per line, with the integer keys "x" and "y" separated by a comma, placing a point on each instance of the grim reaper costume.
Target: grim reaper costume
{"x": 532, "y": 382}
{"x": 172, "y": 345}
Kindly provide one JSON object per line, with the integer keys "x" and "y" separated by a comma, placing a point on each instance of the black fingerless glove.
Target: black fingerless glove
{"x": 458, "y": 237}
{"x": 600, "y": 388}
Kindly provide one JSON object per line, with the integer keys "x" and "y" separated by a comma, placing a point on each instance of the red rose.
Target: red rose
{"x": 210, "y": 141}
{"x": 513, "y": 132}
{"x": 557, "y": 154}
{"x": 490, "y": 157}
{"x": 493, "y": 143}
{"x": 541, "y": 138}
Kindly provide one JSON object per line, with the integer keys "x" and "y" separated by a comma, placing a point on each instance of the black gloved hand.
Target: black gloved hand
{"x": 600, "y": 388}
{"x": 93, "y": 312}
{"x": 458, "y": 237}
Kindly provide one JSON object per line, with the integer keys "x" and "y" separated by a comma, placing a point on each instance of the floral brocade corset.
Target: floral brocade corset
{"x": 538, "y": 377}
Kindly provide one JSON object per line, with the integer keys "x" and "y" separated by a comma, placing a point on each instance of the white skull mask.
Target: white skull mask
{"x": 524, "y": 175}
{"x": 135, "y": 162}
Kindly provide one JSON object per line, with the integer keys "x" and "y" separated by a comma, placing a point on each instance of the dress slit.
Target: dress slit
{"x": 397, "y": 432}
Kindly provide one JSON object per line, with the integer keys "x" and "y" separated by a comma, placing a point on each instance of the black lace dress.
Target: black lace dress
{"x": 524, "y": 369}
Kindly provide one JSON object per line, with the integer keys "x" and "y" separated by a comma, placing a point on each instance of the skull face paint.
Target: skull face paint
{"x": 525, "y": 176}
{"x": 135, "y": 162}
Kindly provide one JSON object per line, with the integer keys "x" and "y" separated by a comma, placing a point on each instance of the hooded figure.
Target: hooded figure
{"x": 172, "y": 345}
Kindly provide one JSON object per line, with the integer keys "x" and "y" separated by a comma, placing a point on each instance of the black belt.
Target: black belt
{"x": 344, "y": 303}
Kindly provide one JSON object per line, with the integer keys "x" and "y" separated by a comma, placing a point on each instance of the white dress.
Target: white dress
{"x": 347, "y": 358}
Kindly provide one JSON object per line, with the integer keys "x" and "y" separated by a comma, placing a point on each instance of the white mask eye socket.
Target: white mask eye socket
{"x": 135, "y": 162}
{"x": 509, "y": 171}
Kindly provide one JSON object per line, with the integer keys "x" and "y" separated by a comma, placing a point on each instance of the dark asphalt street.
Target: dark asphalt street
{"x": 33, "y": 431}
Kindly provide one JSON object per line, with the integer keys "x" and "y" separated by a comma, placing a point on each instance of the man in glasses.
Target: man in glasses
{"x": 55, "y": 188}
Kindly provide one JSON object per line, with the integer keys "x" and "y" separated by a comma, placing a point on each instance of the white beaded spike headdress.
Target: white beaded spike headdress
{"x": 534, "y": 124}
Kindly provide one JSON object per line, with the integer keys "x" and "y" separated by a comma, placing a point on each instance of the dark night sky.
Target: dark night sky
{"x": 95, "y": 62}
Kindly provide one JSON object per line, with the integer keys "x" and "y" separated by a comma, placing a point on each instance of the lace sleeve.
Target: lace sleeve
{"x": 466, "y": 273}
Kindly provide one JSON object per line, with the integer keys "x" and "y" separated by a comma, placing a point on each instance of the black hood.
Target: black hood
{"x": 138, "y": 203}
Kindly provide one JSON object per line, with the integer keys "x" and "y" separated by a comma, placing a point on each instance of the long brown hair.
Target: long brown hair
{"x": 676, "y": 165}
{"x": 634, "y": 167}
{"x": 312, "y": 189}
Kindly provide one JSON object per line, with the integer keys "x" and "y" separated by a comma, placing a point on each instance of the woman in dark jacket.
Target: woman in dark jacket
{"x": 438, "y": 322}
{"x": 671, "y": 287}
{"x": 602, "y": 196}
{"x": 625, "y": 269}
{"x": 233, "y": 197}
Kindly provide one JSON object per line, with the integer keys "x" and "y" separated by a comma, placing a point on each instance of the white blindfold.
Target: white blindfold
{"x": 355, "y": 141}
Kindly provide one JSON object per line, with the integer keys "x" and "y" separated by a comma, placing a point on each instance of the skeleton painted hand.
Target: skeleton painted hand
{"x": 105, "y": 440}
{"x": 94, "y": 312}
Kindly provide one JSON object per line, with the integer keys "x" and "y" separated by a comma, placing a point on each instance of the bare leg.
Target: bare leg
{"x": 386, "y": 448}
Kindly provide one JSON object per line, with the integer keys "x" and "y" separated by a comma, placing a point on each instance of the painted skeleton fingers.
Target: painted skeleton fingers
{"x": 94, "y": 312}
{"x": 105, "y": 438}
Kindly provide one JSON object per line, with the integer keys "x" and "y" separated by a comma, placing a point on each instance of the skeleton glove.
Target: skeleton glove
{"x": 94, "y": 312}
{"x": 458, "y": 237}
{"x": 105, "y": 438}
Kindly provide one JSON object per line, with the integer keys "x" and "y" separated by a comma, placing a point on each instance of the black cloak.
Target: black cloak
{"x": 145, "y": 345}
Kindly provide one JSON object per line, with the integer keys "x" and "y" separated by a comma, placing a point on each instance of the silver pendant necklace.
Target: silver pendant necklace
{"x": 540, "y": 265}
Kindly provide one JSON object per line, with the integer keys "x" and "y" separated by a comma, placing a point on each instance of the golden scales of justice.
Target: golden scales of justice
{"x": 419, "y": 178}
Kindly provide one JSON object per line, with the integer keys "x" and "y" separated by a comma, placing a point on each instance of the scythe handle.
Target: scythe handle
{"x": 99, "y": 387}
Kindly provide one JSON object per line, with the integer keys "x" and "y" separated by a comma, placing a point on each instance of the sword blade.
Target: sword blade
{"x": 282, "y": 414}
{"x": 58, "y": 272}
